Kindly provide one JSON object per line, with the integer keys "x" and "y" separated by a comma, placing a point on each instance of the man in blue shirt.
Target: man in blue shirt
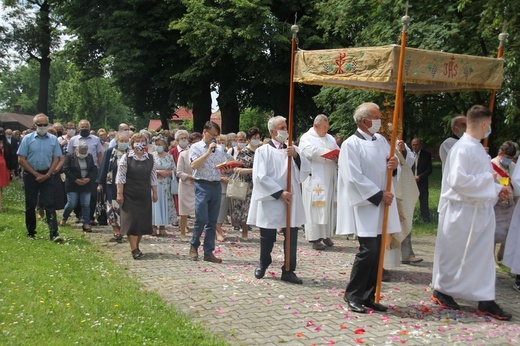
{"x": 204, "y": 157}
{"x": 39, "y": 154}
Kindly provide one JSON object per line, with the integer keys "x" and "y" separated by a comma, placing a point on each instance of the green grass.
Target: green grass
{"x": 72, "y": 293}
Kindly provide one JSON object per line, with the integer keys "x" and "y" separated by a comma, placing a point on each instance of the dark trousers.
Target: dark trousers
{"x": 423, "y": 204}
{"x": 45, "y": 191}
{"x": 267, "y": 239}
{"x": 363, "y": 278}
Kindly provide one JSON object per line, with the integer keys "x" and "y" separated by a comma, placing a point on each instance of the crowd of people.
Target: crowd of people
{"x": 150, "y": 184}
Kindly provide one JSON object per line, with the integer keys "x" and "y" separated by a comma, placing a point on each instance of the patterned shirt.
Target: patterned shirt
{"x": 40, "y": 151}
{"x": 123, "y": 167}
{"x": 208, "y": 170}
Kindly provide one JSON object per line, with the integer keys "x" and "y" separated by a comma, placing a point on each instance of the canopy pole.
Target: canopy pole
{"x": 501, "y": 38}
{"x": 398, "y": 106}
{"x": 294, "y": 31}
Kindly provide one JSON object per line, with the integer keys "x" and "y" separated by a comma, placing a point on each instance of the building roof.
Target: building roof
{"x": 154, "y": 125}
{"x": 182, "y": 114}
{"x": 10, "y": 120}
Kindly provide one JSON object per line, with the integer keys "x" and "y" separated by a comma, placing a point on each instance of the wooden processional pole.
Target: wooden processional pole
{"x": 501, "y": 38}
{"x": 294, "y": 31}
{"x": 397, "y": 108}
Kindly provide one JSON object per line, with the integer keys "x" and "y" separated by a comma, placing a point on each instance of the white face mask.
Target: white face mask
{"x": 282, "y": 136}
{"x": 222, "y": 146}
{"x": 71, "y": 132}
{"x": 183, "y": 144}
{"x": 139, "y": 146}
{"x": 376, "y": 125}
{"x": 42, "y": 130}
{"x": 82, "y": 156}
{"x": 255, "y": 142}
{"x": 241, "y": 145}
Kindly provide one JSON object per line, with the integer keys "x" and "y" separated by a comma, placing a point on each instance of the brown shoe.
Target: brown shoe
{"x": 328, "y": 242}
{"x": 318, "y": 246}
{"x": 194, "y": 255}
{"x": 212, "y": 258}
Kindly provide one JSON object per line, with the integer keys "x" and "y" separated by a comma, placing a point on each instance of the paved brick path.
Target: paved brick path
{"x": 228, "y": 300}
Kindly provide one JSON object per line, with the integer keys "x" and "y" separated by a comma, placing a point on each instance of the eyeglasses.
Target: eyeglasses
{"x": 41, "y": 125}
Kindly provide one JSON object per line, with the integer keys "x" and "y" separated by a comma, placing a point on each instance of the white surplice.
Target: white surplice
{"x": 269, "y": 177}
{"x": 319, "y": 189}
{"x": 512, "y": 250}
{"x": 445, "y": 148}
{"x": 463, "y": 264}
{"x": 362, "y": 174}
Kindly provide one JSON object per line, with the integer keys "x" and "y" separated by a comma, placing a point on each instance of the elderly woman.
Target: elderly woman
{"x": 163, "y": 212}
{"x": 181, "y": 138}
{"x": 240, "y": 208}
{"x": 80, "y": 172}
{"x": 107, "y": 184}
{"x": 136, "y": 176}
{"x": 224, "y": 201}
{"x": 241, "y": 138}
{"x": 186, "y": 186}
{"x": 504, "y": 167}
{"x": 103, "y": 138}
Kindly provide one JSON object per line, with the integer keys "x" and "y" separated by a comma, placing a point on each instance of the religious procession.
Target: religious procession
{"x": 193, "y": 192}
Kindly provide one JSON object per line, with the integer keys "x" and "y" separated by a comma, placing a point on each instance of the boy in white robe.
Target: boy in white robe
{"x": 268, "y": 208}
{"x": 363, "y": 165}
{"x": 467, "y": 222}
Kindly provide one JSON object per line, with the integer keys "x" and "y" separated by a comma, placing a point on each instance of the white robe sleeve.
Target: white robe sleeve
{"x": 476, "y": 187}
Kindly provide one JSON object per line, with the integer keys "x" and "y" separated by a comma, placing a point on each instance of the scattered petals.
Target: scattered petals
{"x": 359, "y": 331}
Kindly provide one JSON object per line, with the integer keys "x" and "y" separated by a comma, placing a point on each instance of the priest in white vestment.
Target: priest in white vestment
{"x": 458, "y": 126}
{"x": 464, "y": 265}
{"x": 363, "y": 165}
{"x": 512, "y": 249}
{"x": 319, "y": 189}
{"x": 268, "y": 208}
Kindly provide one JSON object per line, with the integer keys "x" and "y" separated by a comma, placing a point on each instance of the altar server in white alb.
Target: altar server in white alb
{"x": 363, "y": 164}
{"x": 464, "y": 264}
{"x": 319, "y": 189}
{"x": 512, "y": 250}
{"x": 269, "y": 198}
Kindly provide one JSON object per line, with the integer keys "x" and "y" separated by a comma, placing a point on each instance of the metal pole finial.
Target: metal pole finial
{"x": 406, "y": 18}
{"x": 502, "y": 37}
{"x": 294, "y": 30}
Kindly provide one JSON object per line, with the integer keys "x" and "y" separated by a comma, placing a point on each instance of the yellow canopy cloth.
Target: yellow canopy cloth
{"x": 375, "y": 68}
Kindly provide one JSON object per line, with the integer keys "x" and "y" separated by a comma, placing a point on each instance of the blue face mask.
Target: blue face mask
{"x": 506, "y": 161}
{"x": 122, "y": 146}
{"x": 159, "y": 148}
{"x": 486, "y": 135}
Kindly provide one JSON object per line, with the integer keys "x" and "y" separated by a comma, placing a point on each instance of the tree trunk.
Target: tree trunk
{"x": 229, "y": 112}
{"x": 44, "y": 27}
{"x": 201, "y": 104}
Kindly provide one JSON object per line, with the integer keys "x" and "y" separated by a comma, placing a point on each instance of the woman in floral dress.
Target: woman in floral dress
{"x": 163, "y": 212}
{"x": 240, "y": 208}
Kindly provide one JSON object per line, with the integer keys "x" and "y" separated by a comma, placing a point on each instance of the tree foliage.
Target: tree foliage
{"x": 469, "y": 27}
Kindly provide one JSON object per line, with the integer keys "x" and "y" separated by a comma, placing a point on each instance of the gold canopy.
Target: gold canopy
{"x": 375, "y": 68}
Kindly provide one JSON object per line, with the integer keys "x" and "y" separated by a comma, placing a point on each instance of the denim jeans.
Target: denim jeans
{"x": 207, "y": 207}
{"x": 72, "y": 201}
